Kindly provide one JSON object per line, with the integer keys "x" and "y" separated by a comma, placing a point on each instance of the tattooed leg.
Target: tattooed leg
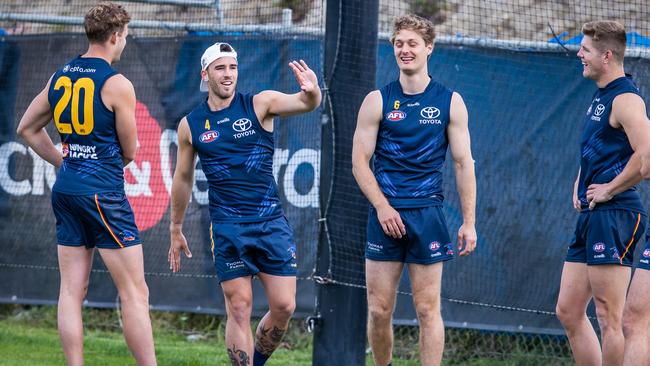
{"x": 268, "y": 339}
{"x": 238, "y": 294}
{"x": 238, "y": 357}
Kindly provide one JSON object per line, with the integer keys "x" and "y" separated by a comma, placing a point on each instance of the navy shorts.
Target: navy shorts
{"x": 606, "y": 237}
{"x": 103, "y": 220}
{"x": 426, "y": 241}
{"x": 644, "y": 261}
{"x": 244, "y": 249}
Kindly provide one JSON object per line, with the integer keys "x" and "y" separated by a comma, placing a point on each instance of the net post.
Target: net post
{"x": 350, "y": 68}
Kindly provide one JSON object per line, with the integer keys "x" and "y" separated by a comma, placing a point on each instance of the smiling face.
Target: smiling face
{"x": 593, "y": 60}
{"x": 411, "y": 51}
{"x": 221, "y": 75}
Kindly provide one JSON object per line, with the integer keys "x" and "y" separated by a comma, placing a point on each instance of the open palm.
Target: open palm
{"x": 304, "y": 75}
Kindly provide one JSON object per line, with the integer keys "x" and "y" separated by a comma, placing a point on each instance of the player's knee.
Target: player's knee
{"x": 568, "y": 315}
{"x": 608, "y": 318}
{"x": 135, "y": 292}
{"x": 427, "y": 313}
{"x": 380, "y": 313}
{"x": 74, "y": 291}
{"x": 283, "y": 309}
{"x": 629, "y": 327}
{"x": 632, "y": 320}
{"x": 239, "y": 309}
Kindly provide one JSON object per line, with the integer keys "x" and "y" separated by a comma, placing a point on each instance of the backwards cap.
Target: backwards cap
{"x": 212, "y": 53}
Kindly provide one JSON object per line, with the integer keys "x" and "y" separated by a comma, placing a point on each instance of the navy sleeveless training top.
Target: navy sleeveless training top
{"x": 412, "y": 144}
{"x": 236, "y": 155}
{"x": 606, "y": 150}
{"x": 92, "y": 156}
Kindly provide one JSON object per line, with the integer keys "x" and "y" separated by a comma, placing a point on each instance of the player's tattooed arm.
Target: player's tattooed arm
{"x": 238, "y": 357}
{"x": 268, "y": 339}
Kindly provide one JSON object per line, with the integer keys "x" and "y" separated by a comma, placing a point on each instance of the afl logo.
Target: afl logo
{"x": 434, "y": 246}
{"x": 66, "y": 68}
{"x": 599, "y": 110}
{"x": 646, "y": 253}
{"x": 395, "y": 116}
{"x": 599, "y": 247}
{"x": 208, "y": 136}
{"x": 430, "y": 112}
{"x": 242, "y": 125}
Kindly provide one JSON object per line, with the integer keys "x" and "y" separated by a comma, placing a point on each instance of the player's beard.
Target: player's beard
{"x": 221, "y": 92}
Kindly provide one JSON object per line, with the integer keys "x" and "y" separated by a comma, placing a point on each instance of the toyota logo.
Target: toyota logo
{"x": 430, "y": 112}
{"x": 242, "y": 124}
{"x": 599, "y": 110}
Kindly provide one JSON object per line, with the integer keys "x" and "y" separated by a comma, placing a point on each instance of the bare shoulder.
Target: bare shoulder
{"x": 627, "y": 100}
{"x": 370, "y": 112}
{"x": 372, "y": 103}
{"x": 373, "y": 97}
{"x": 117, "y": 90}
{"x": 118, "y": 84}
{"x": 264, "y": 98}
{"x": 184, "y": 132}
{"x": 457, "y": 100}
{"x": 458, "y": 110}
{"x": 183, "y": 124}
{"x": 627, "y": 108}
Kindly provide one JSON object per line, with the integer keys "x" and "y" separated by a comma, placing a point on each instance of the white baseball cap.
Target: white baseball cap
{"x": 212, "y": 53}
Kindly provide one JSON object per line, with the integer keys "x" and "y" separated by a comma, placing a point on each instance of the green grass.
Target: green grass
{"x": 24, "y": 344}
{"x": 28, "y": 337}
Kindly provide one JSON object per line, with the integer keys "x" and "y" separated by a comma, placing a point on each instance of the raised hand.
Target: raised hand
{"x": 305, "y": 77}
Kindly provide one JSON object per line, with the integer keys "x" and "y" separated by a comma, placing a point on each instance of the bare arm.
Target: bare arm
{"x": 628, "y": 112}
{"x": 270, "y": 103}
{"x": 32, "y": 128}
{"x": 363, "y": 146}
{"x": 645, "y": 161}
{"x": 459, "y": 143}
{"x": 118, "y": 94}
{"x": 181, "y": 191}
{"x": 576, "y": 200}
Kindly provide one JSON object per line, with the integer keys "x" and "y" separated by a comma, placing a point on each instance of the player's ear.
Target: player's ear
{"x": 113, "y": 38}
{"x": 204, "y": 75}
{"x": 607, "y": 56}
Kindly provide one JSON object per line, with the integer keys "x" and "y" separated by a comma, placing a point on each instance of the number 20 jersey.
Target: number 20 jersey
{"x": 92, "y": 156}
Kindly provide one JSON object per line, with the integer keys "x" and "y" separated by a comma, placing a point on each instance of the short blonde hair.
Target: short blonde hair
{"x": 423, "y": 27}
{"x": 607, "y": 35}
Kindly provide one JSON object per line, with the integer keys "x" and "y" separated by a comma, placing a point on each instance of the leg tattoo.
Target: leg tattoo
{"x": 238, "y": 357}
{"x": 268, "y": 339}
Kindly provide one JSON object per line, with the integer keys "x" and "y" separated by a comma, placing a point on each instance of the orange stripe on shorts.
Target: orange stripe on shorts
{"x": 211, "y": 242}
{"x": 106, "y": 223}
{"x": 636, "y": 227}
